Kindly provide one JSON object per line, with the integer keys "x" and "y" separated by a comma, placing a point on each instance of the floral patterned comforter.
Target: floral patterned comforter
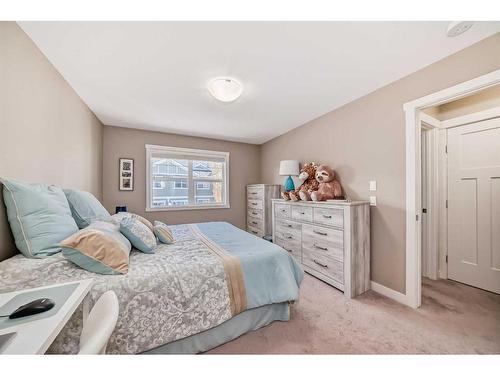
{"x": 178, "y": 291}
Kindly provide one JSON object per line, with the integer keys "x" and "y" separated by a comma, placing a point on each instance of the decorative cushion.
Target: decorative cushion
{"x": 117, "y": 218}
{"x": 138, "y": 234}
{"x": 85, "y": 208}
{"x": 39, "y": 217}
{"x": 99, "y": 248}
{"x": 163, "y": 232}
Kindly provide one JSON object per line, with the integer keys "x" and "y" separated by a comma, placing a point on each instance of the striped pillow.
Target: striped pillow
{"x": 163, "y": 232}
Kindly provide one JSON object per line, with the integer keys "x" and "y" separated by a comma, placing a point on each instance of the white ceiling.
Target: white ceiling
{"x": 153, "y": 75}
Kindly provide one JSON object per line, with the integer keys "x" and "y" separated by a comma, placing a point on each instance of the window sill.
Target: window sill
{"x": 192, "y": 207}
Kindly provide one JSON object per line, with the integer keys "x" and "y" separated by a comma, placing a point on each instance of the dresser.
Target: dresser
{"x": 330, "y": 239}
{"x": 259, "y": 208}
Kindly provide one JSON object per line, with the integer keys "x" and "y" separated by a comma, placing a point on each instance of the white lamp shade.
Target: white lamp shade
{"x": 289, "y": 168}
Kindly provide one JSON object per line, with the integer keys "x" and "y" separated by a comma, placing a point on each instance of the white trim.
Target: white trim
{"x": 193, "y": 153}
{"x": 470, "y": 118}
{"x": 413, "y": 183}
{"x": 433, "y": 122}
{"x": 388, "y": 292}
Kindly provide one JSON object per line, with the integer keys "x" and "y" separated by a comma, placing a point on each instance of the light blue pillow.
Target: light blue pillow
{"x": 85, "y": 208}
{"x": 99, "y": 248}
{"x": 138, "y": 234}
{"x": 39, "y": 217}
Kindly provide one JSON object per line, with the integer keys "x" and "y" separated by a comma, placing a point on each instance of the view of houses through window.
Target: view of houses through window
{"x": 178, "y": 182}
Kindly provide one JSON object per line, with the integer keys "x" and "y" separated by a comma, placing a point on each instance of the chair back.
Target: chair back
{"x": 100, "y": 324}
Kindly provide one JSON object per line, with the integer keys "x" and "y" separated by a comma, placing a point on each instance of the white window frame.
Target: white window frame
{"x": 150, "y": 149}
{"x": 180, "y": 188}
{"x": 204, "y": 183}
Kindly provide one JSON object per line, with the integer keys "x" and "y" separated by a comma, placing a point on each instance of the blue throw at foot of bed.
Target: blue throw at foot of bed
{"x": 212, "y": 272}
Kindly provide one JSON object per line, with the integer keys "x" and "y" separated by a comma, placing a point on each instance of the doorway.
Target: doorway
{"x": 417, "y": 233}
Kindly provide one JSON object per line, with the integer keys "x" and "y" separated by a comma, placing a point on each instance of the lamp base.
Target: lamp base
{"x": 289, "y": 185}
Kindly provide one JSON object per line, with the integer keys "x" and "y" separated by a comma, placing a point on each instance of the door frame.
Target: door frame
{"x": 413, "y": 296}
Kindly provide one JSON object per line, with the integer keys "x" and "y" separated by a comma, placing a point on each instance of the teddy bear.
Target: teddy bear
{"x": 307, "y": 182}
{"x": 329, "y": 188}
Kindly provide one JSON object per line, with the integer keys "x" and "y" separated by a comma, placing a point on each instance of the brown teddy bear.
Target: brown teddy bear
{"x": 307, "y": 180}
{"x": 328, "y": 188}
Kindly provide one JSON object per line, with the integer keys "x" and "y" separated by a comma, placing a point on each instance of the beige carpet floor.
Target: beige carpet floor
{"x": 454, "y": 318}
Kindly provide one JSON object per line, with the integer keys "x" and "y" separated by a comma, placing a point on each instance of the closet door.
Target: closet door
{"x": 474, "y": 204}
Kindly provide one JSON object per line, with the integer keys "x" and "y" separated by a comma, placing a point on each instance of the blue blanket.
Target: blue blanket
{"x": 271, "y": 274}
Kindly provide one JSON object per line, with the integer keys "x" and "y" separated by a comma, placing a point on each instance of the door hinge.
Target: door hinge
{"x": 447, "y": 203}
{"x": 446, "y": 258}
{"x": 416, "y": 217}
{"x": 446, "y": 149}
{"x": 424, "y": 210}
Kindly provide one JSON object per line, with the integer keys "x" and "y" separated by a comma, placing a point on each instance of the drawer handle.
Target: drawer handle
{"x": 320, "y": 247}
{"x": 254, "y": 213}
{"x": 254, "y": 232}
{"x": 320, "y": 264}
{"x": 255, "y": 204}
{"x": 253, "y": 193}
{"x": 327, "y": 216}
{"x": 302, "y": 213}
{"x": 321, "y": 233}
{"x": 289, "y": 236}
{"x": 254, "y": 222}
{"x": 283, "y": 210}
{"x": 290, "y": 251}
{"x": 289, "y": 225}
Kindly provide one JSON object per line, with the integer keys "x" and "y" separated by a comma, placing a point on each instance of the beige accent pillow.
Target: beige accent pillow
{"x": 145, "y": 221}
{"x": 99, "y": 248}
{"x": 163, "y": 232}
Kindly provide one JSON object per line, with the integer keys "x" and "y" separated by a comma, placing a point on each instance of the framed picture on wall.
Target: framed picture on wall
{"x": 126, "y": 174}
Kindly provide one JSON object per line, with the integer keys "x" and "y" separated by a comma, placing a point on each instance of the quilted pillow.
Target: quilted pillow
{"x": 163, "y": 232}
{"x": 138, "y": 234}
{"x": 39, "y": 217}
{"x": 99, "y": 248}
{"x": 85, "y": 208}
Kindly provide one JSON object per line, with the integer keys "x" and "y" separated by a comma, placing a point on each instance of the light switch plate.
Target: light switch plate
{"x": 373, "y": 185}
{"x": 373, "y": 200}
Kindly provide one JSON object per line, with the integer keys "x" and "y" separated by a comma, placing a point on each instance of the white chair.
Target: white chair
{"x": 100, "y": 324}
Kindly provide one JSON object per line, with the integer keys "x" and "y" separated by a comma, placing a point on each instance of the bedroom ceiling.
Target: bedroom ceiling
{"x": 154, "y": 75}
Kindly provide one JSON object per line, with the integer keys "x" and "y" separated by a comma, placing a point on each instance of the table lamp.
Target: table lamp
{"x": 289, "y": 168}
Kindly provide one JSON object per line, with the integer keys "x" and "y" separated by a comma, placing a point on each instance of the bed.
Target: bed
{"x": 213, "y": 284}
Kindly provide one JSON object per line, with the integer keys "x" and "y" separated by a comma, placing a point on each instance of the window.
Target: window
{"x": 181, "y": 178}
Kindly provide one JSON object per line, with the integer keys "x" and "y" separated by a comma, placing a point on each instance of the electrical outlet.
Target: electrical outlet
{"x": 373, "y": 200}
{"x": 373, "y": 185}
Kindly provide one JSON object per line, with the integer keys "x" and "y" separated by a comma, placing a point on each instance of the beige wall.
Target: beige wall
{"x": 365, "y": 140}
{"x": 486, "y": 99}
{"x": 244, "y": 169}
{"x": 47, "y": 134}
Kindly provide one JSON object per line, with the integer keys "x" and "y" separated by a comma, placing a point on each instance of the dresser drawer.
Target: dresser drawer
{"x": 292, "y": 247}
{"x": 302, "y": 213}
{"x": 258, "y": 232}
{"x": 330, "y": 249}
{"x": 282, "y": 210}
{"x": 255, "y": 203}
{"x": 256, "y": 223}
{"x": 256, "y": 213}
{"x": 334, "y": 237}
{"x": 255, "y": 192}
{"x": 288, "y": 225}
{"x": 329, "y": 216}
{"x": 325, "y": 265}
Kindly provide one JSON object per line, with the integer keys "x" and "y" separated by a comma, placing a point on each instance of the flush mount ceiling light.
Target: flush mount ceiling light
{"x": 225, "y": 89}
{"x": 456, "y": 28}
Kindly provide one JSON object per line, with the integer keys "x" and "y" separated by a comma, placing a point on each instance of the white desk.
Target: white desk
{"x": 35, "y": 337}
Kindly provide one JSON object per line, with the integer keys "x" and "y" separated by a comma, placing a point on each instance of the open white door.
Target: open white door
{"x": 474, "y": 204}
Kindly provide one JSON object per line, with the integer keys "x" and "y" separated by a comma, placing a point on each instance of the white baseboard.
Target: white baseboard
{"x": 388, "y": 292}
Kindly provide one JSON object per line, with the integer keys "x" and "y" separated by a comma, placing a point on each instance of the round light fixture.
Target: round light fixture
{"x": 456, "y": 28}
{"x": 225, "y": 89}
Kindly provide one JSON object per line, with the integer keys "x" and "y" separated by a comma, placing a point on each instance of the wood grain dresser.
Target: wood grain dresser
{"x": 330, "y": 239}
{"x": 259, "y": 214}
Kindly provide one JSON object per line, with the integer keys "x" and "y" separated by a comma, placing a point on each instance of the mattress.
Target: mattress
{"x": 179, "y": 291}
